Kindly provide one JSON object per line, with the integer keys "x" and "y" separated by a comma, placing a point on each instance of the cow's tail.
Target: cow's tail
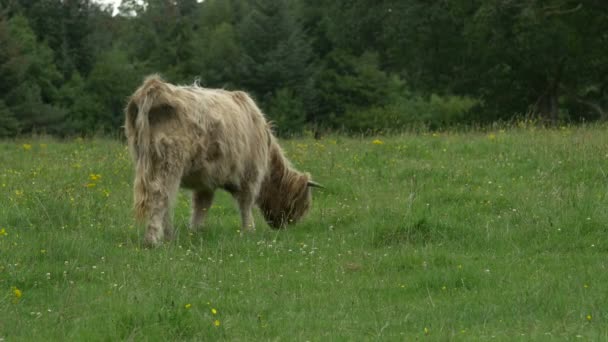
{"x": 154, "y": 92}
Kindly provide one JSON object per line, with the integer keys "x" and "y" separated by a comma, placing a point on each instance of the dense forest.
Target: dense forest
{"x": 67, "y": 66}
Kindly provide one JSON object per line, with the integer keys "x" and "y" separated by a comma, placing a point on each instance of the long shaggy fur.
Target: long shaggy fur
{"x": 204, "y": 139}
{"x": 285, "y": 194}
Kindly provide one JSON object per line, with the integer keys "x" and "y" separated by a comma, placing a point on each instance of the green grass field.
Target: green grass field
{"x": 447, "y": 236}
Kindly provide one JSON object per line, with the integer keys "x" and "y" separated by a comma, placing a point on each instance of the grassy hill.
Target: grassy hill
{"x": 443, "y": 236}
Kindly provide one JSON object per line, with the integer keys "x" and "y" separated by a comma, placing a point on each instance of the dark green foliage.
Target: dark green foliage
{"x": 412, "y": 111}
{"x": 83, "y": 106}
{"x": 286, "y": 111}
{"x": 67, "y": 66}
{"x": 276, "y": 53}
{"x": 66, "y": 26}
{"x": 9, "y": 125}
{"x": 349, "y": 83}
{"x": 96, "y": 104}
{"x": 31, "y": 79}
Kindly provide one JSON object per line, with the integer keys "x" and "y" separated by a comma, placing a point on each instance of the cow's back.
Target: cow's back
{"x": 230, "y": 141}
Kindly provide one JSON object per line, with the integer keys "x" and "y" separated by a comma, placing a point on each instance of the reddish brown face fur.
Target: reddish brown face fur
{"x": 285, "y": 196}
{"x": 286, "y": 204}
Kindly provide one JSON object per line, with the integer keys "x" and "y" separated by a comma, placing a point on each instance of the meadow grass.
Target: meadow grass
{"x": 445, "y": 236}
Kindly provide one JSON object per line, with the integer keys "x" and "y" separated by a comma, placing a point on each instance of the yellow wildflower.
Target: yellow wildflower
{"x": 426, "y": 331}
{"x": 27, "y": 147}
{"x": 589, "y": 318}
{"x": 217, "y": 323}
{"x": 19, "y": 192}
{"x": 213, "y": 311}
{"x": 17, "y": 292}
{"x": 378, "y": 142}
{"x": 491, "y": 136}
{"x": 3, "y": 232}
{"x": 188, "y": 306}
{"x": 90, "y": 185}
{"x": 94, "y": 177}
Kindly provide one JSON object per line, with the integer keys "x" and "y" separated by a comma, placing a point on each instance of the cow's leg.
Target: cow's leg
{"x": 161, "y": 197}
{"x": 154, "y": 231}
{"x": 201, "y": 202}
{"x": 168, "y": 231}
{"x": 246, "y": 201}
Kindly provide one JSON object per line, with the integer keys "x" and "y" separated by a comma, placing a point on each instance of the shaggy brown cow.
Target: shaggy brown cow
{"x": 204, "y": 139}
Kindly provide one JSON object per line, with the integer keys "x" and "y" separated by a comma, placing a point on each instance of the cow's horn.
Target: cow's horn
{"x": 315, "y": 184}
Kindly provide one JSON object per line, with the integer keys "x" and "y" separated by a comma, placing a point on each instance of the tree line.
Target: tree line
{"x": 67, "y": 66}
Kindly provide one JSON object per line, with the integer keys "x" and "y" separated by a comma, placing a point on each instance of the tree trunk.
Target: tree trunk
{"x": 547, "y": 104}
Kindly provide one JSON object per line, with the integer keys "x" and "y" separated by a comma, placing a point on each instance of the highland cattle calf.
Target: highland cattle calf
{"x": 205, "y": 139}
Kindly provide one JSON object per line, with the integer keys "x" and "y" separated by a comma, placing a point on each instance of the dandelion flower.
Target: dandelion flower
{"x": 589, "y": 318}
{"x": 213, "y": 311}
{"x": 426, "y": 331}
{"x": 94, "y": 177}
{"x": 3, "y": 232}
{"x": 217, "y": 323}
{"x": 378, "y": 142}
{"x": 27, "y": 147}
{"x": 188, "y": 306}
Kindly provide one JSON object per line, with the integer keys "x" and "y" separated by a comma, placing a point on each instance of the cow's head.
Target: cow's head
{"x": 285, "y": 196}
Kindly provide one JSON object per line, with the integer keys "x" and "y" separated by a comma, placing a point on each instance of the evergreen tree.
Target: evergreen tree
{"x": 111, "y": 81}
{"x": 350, "y": 83}
{"x": 65, "y": 26}
{"x": 9, "y": 126}
{"x": 32, "y": 79}
{"x": 277, "y": 56}
{"x": 66, "y": 66}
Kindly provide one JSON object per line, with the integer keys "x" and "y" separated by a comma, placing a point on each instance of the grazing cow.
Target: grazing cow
{"x": 205, "y": 139}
